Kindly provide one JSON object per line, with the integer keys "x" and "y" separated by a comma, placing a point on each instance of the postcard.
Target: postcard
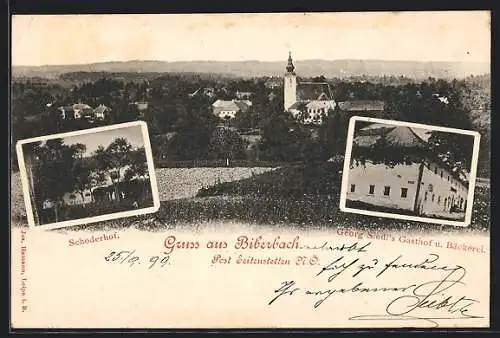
{"x": 193, "y": 171}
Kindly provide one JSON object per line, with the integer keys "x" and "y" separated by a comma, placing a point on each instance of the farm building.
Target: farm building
{"x": 424, "y": 186}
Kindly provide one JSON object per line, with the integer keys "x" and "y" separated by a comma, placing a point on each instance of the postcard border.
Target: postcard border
{"x": 472, "y": 175}
{"x": 100, "y": 218}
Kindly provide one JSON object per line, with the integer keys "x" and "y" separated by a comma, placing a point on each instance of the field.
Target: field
{"x": 299, "y": 196}
{"x": 173, "y": 183}
{"x": 177, "y": 183}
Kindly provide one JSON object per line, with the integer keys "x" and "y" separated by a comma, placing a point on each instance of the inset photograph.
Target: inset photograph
{"x": 88, "y": 176}
{"x": 409, "y": 171}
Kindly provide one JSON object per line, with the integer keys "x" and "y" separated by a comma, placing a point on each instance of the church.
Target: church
{"x": 311, "y": 101}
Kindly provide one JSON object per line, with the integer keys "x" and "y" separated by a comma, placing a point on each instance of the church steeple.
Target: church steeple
{"x": 290, "y": 67}
{"x": 290, "y": 82}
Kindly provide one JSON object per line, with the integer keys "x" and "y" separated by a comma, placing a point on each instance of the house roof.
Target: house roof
{"x": 400, "y": 138}
{"x": 235, "y": 105}
{"x": 81, "y": 106}
{"x": 101, "y": 109}
{"x": 394, "y": 136}
{"x": 243, "y": 106}
{"x": 362, "y": 105}
{"x": 309, "y": 91}
{"x": 319, "y": 104}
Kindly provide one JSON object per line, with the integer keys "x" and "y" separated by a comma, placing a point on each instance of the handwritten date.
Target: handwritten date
{"x": 129, "y": 258}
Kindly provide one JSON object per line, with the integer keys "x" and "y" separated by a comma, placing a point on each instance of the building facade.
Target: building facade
{"x": 426, "y": 187}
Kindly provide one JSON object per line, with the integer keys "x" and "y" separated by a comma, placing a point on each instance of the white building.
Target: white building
{"x": 426, "y": 187}
{"x": 227, "y": 110}
{"x": 311, "y": 101}
{"x": 101, "y": 112}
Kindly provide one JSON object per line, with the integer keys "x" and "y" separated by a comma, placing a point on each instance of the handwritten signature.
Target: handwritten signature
{"x": 427, "y": 301}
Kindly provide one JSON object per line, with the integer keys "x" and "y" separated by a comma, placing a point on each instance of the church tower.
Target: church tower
{"x": 290, "y": 85}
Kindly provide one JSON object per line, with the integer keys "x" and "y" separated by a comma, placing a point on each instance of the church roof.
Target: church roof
{"x": 299, "y": 105}
{"x": 362, "y": 105}
{"x": 310, "y": 91}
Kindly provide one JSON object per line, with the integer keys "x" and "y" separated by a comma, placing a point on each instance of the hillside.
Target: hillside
{"x": 307, "y": 68}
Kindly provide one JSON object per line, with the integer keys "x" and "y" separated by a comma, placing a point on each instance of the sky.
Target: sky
{"x": 93, "y": 140}
{"x": 417, "y": 36}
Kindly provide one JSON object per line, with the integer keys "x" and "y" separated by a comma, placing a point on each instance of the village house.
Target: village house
{"x": 101, "y": 112}
{"x": 76, "y": 111}
{"x": 243, "y": 95}
{"x": 426, "y": 187}
{"x": 354, "y": 107}
{"x": 207, "y": 91}
{"x": 311, "y": 101}
{"x": 227, "y": 110}
{"x": 100, "y": 192}
{"x": 274, "y": 82}
{"x": 82, "y": 110}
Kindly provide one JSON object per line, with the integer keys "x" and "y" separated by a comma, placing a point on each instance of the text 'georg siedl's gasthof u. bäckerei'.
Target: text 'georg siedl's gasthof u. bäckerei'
{"x": 92, "y": 239}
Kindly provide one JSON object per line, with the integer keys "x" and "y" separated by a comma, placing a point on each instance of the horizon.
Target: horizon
{"x": 250, "y": 60}
{"x": 439, "y": 36}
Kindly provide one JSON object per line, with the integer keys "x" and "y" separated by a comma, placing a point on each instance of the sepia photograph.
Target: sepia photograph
{"x": 407, "y": 170}
{"x": 295, "y": 161}
{"x": 87, "y": 176}
{"x": 256, "y": 136}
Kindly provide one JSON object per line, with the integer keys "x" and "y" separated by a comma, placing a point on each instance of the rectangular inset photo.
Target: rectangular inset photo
{"x": 87, "y": 176}
{"x": 409, "y": 171}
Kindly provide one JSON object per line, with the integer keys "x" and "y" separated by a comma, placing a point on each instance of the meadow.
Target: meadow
{"x": 302, "y": 196}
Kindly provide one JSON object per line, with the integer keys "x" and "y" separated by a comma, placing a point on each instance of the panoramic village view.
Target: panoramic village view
{"x": 257, "y": 146}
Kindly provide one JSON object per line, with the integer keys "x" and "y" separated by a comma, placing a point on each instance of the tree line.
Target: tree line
{"x": 182, "y": 127}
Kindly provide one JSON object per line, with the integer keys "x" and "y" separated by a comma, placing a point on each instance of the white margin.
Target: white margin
{"x": 472, "y": 175}
{"x": 106, "y": 217}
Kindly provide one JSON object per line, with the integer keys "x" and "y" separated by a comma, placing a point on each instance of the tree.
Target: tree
{"x": 138, "y": 166}
{"x": 84, "y": 176}
{"x": 112, "y": 160}
{"x": 284, "y": 139}
{"x": 227, "y": 144}
{"x": 453, "y": 149}
{"x": 333, "y": 133}
{"x": 50, "y": 168}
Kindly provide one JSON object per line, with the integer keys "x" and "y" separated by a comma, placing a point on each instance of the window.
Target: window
{"x": 435, "y": 170}
{"x": 448, "y": 178}
{"x": 387, "y": 190}
{"x": 425, "y": 197}
{"x": 404, "y": 192}
{"x": 353, "y": 187}
{"x": 439, "y": 199}
{"x": 372, "y": 189}
{"x": 432, "y": 198}
{"x": 441, "y": 174}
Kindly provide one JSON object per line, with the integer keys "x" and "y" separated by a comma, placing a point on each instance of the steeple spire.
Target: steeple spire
{"x": 290, "y": 67}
